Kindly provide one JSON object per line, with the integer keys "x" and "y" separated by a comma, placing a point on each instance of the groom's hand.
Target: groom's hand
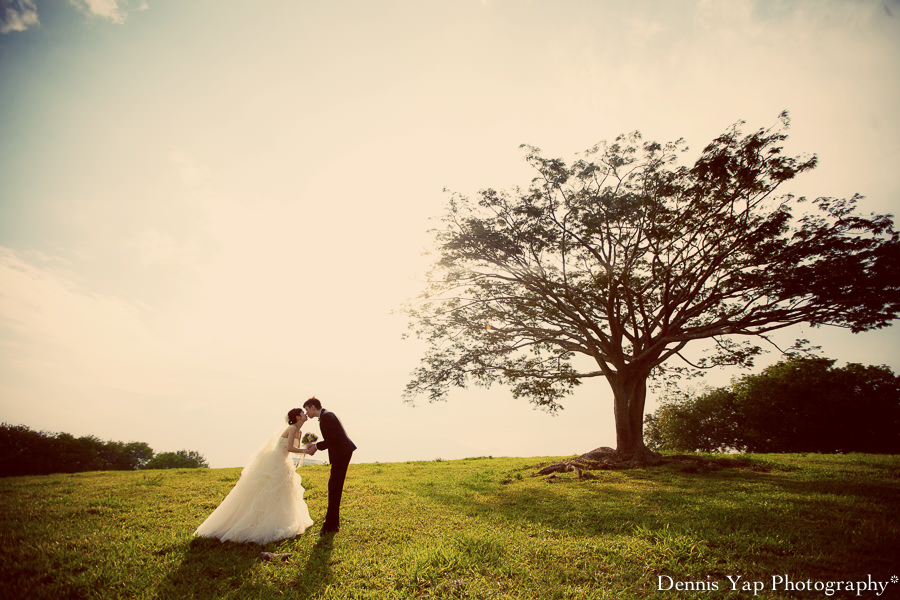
{"x": 311, "y": 449}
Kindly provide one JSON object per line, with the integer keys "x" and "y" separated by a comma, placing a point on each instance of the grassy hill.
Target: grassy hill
{"x": 474, "y": 528}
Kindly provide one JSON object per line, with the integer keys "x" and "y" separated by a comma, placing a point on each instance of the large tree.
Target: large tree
{"x": 610, "y": 266}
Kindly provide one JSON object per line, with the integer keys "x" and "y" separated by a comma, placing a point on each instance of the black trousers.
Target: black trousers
{"x": 335, "y": 491}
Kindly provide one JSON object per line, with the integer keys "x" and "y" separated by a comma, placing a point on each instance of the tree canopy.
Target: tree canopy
{"x": 27, "y": 452}
{"x": 182, "y": 459}
{"x": 796, "y": 405}
{"x": 610, "y": 266}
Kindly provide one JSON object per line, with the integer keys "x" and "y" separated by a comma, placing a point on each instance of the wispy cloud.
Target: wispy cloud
{"x": 154, "y": 247}
{"x": 17, "y": 15}
{"x": 48, "y": 303}
{"x": 111, "y": 10}
{"x": 20, "y": 15}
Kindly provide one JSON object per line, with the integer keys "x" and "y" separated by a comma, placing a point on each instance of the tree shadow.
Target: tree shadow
{"x": 543, "y": 507}
{"x": 781, "y": 514}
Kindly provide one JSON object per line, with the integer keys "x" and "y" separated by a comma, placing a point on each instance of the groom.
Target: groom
{"x": 340, "y": 449}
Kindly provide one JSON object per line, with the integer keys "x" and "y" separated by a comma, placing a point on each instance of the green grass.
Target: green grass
{"x": 474, "y": 528}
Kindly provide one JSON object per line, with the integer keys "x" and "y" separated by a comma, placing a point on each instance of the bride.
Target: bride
{"x": 266, "y": 504}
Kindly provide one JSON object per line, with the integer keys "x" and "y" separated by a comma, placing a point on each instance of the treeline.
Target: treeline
{"x": 797, "y": 405}
{"x": 27, "y": 452}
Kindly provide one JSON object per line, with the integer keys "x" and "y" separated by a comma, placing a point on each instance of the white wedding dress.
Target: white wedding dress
{"x": 265, "y": 505}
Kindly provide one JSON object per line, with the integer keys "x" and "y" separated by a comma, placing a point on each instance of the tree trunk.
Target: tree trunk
{"x": 630, "y": 394}
{"x": 629, "y": 397}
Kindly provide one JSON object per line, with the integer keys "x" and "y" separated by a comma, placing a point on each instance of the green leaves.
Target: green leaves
{"x": 803, "y": 404}
{"x": 612, "y": 264}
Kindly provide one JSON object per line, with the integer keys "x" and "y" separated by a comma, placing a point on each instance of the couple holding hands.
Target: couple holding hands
{"x": 266, "y": 504}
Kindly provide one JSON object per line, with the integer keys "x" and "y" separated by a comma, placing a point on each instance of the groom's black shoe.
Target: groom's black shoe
{"x": 329, "y": 530}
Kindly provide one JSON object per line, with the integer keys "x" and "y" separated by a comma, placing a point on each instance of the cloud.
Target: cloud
{"x": 154, "y": 247}
{"x": 111, "y": 10}
{"x": 18, "y": 15}
{"x": 74, "y": 359}
{"x": 46, "y": 307}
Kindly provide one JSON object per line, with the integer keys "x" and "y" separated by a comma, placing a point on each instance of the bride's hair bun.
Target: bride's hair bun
{"x": 293, "y": 414}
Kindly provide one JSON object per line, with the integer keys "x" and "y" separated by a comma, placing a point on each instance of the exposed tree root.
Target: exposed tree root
{"x": 609, "y": 459}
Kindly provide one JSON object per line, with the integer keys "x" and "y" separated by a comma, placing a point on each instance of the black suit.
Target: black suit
{"x": 340, "y": 450}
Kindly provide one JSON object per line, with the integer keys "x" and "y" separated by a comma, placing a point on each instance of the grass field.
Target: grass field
{"x": 474, "y": 528}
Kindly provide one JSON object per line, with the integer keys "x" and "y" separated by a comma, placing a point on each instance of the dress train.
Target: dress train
{"x": 266, "y": 504}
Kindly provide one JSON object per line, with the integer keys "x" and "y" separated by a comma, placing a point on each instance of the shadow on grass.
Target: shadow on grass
{"x": 213, "y": 569}
{"x": 316, "y": 574}
{"x": 826, "y": 526}
{"x": 209, "y": 569}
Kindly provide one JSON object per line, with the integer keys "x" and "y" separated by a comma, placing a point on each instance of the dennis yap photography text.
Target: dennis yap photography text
{"x": 736, "y": 583}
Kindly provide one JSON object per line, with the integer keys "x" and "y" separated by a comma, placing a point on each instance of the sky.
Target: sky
{"x": 211, "y": 210}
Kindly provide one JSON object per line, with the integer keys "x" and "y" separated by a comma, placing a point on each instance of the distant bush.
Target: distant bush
{"x": 797, "y": 405}
{"x": 183, "y": 459}
{"x": 27, "y": 452}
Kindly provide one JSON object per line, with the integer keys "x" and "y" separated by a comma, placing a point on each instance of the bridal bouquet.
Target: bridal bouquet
{"x": 308, "y": 438}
